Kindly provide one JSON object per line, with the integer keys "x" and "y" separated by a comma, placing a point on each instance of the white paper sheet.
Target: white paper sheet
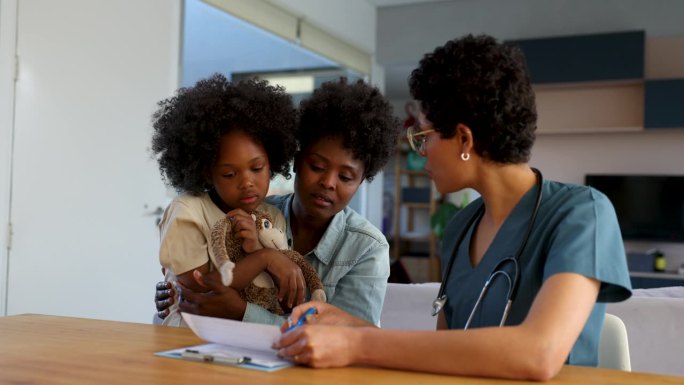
{"x": 233, "y": 333}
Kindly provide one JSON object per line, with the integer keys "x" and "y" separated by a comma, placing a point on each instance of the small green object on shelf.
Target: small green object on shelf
{"x": 659, "y": 261}
{"x": 442, "y": 215}
{"x": 414, "y": 161}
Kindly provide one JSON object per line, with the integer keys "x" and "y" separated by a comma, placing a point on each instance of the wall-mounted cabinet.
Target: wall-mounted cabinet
{"x": 664, "y": 103}
{"x": 585, "y": 58}
{"x": 609, "y": 82}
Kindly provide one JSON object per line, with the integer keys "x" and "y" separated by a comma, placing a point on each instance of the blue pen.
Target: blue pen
{"x": 302, "y": 319}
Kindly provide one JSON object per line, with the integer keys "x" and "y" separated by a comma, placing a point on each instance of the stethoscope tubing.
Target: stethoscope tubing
{"x": 514, "y": 282}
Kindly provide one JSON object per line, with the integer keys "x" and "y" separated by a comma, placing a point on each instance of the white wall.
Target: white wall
{"x": 83, "y": 180}
{"x": 406, "y": 33}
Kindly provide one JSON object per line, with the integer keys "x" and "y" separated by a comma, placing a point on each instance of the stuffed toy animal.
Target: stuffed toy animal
{"x": 228, "y": 251}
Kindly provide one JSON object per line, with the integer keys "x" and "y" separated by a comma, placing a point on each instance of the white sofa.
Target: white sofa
{"x": 409, "y": 306}
{"x": 654, "y": 319}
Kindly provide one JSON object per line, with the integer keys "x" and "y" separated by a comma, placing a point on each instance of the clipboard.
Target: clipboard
{"x": 218, "y": 354}
{"x": 232, "y": 343}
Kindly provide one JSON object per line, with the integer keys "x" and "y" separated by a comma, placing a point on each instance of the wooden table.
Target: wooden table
{"x": 37, "y": 349}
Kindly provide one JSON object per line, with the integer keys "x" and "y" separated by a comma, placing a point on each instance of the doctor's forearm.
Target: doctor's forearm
{"x": 491, "y": 352}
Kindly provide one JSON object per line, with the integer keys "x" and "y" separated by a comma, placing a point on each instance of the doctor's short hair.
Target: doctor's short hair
{"x": 356, "y": 112}
{"x": 188, "y": 128}
{"x": 485, "y": 85}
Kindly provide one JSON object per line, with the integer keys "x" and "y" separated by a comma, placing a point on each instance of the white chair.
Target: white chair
{"x": 614, "y": 346}
{"x": 409, "y": 306}
{"x": 654, "y": 326}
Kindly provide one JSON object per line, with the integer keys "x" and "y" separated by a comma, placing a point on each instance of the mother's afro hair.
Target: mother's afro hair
{"x": 355, "y": 112}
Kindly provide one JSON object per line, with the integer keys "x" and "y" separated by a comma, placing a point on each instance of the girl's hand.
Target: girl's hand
{"x": 244, "y": 229}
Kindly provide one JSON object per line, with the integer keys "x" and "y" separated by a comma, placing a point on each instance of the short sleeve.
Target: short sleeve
{"x": 587, "y": 241}
{"x": 183, "y": 245}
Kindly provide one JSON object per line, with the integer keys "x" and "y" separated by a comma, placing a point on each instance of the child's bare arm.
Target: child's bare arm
{"x": 264, "y": 260}
{"x": 286, "y": 274}
{"x": 186, "y": 279}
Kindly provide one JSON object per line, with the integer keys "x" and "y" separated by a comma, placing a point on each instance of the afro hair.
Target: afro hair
{"x": 483, "y": 84}
{"x": 188, "y": 128}
{"x": 356, "y": 112}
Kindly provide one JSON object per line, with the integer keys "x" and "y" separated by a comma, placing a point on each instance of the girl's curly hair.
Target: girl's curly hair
{"x": 356, "y": 112}
{"x": 188, "y": 128}
{"x": 483, "y": 84}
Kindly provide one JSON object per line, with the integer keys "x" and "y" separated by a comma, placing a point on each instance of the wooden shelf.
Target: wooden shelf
{"x": 604, "y": 106}
{"x": 412, "y": 232}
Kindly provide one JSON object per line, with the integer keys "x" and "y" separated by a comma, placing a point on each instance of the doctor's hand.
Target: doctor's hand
{"x": 220, "y": 301}
{"x": 320, "y": 346}
{"x": 326, "y": 314}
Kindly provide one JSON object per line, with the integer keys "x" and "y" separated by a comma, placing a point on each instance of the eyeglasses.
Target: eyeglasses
{"x": 417, "y": 139}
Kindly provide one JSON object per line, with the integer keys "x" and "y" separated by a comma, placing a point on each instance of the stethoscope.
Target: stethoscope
{"x": 497, "y": 271}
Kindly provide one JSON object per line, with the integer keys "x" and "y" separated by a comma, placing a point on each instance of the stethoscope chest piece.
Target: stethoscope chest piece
{"x": 438, "y": 304}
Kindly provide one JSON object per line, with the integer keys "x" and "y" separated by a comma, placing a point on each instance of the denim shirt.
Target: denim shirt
{"x": 352, "y": 259}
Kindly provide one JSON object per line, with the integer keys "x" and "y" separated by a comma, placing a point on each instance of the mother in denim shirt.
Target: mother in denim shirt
{"x": 347, "y": 134}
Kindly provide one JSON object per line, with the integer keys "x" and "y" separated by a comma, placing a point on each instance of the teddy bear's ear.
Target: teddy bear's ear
{"x": 253, "y": 216}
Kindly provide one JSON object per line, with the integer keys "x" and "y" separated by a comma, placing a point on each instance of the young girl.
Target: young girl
{"x": 219, "y": 144}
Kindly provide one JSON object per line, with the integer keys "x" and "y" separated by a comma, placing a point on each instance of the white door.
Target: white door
{"x": 84, "y": 182}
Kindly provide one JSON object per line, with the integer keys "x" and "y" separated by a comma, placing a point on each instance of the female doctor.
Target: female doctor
{"x": 527, "y": 268}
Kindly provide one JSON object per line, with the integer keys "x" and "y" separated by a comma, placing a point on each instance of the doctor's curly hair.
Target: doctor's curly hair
{"x": 188, "y": 128}
{"x": 483, "y": 84}
{"x": 356, "y": 112}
